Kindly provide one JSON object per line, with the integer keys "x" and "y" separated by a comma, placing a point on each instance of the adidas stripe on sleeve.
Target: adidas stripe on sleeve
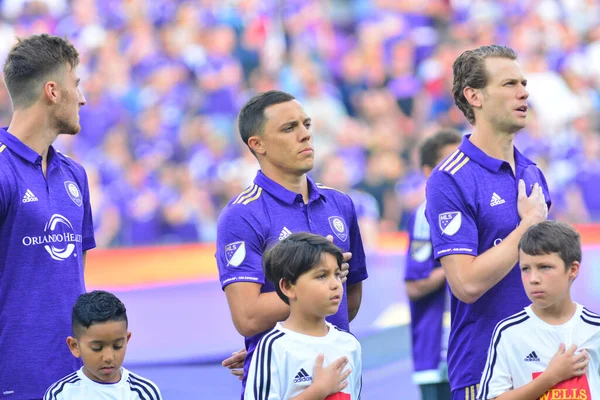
{"x": 497, "y": 378}
{"x": 263, "y": 375}
{"x": 54, "y": 391}
{"x": 145, "y": 389}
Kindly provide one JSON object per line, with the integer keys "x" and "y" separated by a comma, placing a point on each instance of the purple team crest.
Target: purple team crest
{"x": 338, "y": 226}
{"x": 74, "y": 192}
{"x": 235, "y": 253}
{"x": 450, "y": 222}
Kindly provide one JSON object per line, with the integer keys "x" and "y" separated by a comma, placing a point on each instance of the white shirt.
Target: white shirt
{"x": 523, "y": 345}
{"x": 283, "y": 363}
{"x": 78, "y": 386}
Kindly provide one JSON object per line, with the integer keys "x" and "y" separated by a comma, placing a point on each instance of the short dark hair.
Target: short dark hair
{"x": 431, "y": 147}
{"x": 251, "y": 119}
{"x": 31, "y": 61}
{"x": 552, "y": 237}
{"x": 96, "y": 307}
{"x": 469, "y": 71}
{"x": 296, "y": 255}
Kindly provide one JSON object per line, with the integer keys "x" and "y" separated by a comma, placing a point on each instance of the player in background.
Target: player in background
{"x": 426, "y": 284}
{"x": 45, "y": 217}
{"x": 480, "y": 201}
{"x": 550, "y": 350}
{"x": 305, "y": 357}
{"x": 283, "y": 200}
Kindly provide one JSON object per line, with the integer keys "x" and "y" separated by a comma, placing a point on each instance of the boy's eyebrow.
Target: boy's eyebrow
{"x": 102, "y": 341}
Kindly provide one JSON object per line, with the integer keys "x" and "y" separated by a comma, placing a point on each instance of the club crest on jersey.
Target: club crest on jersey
{"x": 338, "y": 226}
{"x": 450, "y": 222}
{"x": 420, "y": 250}
{"x": 73, "y": 192}
{"x": 235, "y": 253}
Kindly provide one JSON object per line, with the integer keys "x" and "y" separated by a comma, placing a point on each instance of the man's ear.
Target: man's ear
{"x": 473, "y": 96}
{"x": 287, "y": 288}
{"x": 74, "y": 346}
{"x": 256, "y": 144}
{"x": 51, "y": 91}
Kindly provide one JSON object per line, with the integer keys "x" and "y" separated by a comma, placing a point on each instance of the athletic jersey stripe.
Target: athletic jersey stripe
{"x": 589, "y": 321}
{"x": 450, "y": 158}
{"x": 54, "y": 395}
{"x": 459, "y": 166}
{"x": 247, "y": 195}
{"x": 265, "y": 350}
{"x": 453, "y": 163}
{"x": 138, "y": 379}
{"x": 493, "y": 351}
{"x": 590, "y": 314}
{"x": 258, "y": 353}
{"x": 245, "y": 191}
{"x": 251, "y": 199}
{"x": 135, "y": 389}
{"x": 48, "y": 395}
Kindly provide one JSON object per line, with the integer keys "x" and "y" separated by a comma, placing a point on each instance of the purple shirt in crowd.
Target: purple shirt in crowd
{"x": 429, "y": 344}
{"x": 267, "y": 212}
{"x": 472, "y": 206}
{"x": 45, "y": 226}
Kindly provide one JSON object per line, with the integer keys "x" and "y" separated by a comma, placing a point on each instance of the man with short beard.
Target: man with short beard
{"x": 45, "y": 217}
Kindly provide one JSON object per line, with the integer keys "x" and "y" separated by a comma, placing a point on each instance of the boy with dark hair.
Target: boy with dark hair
{"x": 305, "y": 270}
{"x": 100, "y": 338}
{"x": 523, "y": 361}
{"x": 426, "y": 284}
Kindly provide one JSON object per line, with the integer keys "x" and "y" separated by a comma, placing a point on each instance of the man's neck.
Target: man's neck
{"x": 32, "y": 128}
{"x": 292, "y": 182}
{"x": 556, "y": 314}
{"x": 306, "y": 324}
{"x": 496, "y": 144}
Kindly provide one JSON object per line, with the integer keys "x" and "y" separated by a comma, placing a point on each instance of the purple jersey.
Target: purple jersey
{"x": 429, "y": 343}
{"x": 472, "y": 206}
{"x": 45, "y": 226}
{"x": 267, "y": 212}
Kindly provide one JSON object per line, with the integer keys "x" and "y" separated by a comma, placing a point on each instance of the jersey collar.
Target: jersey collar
{"x": 281, "y": 193}
{"x": 18, "y": 147}
{"x": 490, "y": 163}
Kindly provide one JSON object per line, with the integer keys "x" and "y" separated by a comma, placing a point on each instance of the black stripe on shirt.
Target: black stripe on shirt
{"x": 589, "y": 321}
{"x": 144, "y": 382}
{"x": 265, "y": 347}
{"x": 589, "y": 313}
{"x": 493, "y": 351}
{"x": 48, "y": 395}
{"x": 58, "y": 389}
{"x": 135, "y": 389}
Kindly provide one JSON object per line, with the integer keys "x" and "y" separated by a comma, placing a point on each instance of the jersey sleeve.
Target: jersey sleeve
{"x": 264, "y": 375}
{"x": 358, "y": 264}
{"x": 451, "y": 216}
{"x": 240, "y": 246}
{"x": 87, "y": 231}
{"x": 419, "y": 255}
{"x": 496, "y": 378}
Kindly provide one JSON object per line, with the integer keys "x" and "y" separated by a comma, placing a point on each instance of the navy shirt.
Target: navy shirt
{"x": 45, "y": 226}
{"x": 429, "y": 341}
{"x": 267, "y": 212}
{"x": 472, "y": 206}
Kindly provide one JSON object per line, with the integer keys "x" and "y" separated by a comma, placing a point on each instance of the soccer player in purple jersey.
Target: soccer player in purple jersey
{"x": 480, "y": 201}
{"x": 45, "y": 217}
{"x": 283, "y": 200}
{"x": 426, "y": 284}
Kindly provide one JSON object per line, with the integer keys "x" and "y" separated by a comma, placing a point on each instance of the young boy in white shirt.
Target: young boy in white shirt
{"x": 100, "y": 337}
{"x": 305, "y": 357}
{"x": 551, "y": 349}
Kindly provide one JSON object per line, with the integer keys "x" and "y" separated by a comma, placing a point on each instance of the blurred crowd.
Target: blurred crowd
{"x": 164, "y": 80}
